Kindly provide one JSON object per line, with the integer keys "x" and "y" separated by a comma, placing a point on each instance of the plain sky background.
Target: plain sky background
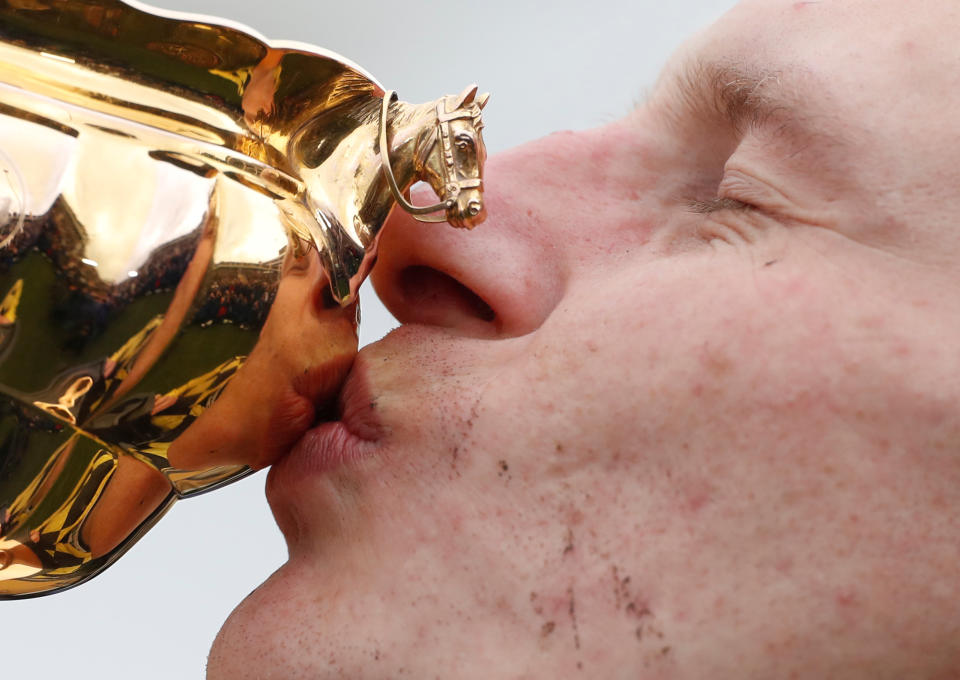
{"x": 567, "y": 64}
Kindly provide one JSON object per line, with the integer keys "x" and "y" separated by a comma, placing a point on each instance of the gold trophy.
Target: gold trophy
{"x": 176, "y": 195}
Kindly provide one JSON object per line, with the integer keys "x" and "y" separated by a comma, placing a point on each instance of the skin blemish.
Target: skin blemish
{"x": 534, "y": 602}
{"x": 572, "y": 610}
{"x": 770, "y": 263}
{"x": 697, "y": 497}
{"x": 871, "y": 322}
{"x": 638, "y": 610}
{"x": 568, "y": 542}
{"x": 784, "y": 566}
{"x": 846, "y": 598}
{"x": 548, "y": 626}
{"x": 454, "y": 460}
{"x": 616, "y": 588}
{"x": 634, "y": 607}
{"x": 714, "y": 361}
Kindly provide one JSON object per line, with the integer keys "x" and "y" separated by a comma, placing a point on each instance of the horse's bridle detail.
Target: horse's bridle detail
{"x": 452, "y": 186}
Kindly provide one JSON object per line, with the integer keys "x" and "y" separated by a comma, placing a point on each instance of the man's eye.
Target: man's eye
{"x": 716, "y": 204}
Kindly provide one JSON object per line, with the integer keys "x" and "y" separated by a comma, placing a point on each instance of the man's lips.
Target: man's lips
{"x": 350, "y": 432}
{"x": 310, "y": 397}
{"x": 356, "y": 404}
{"x": 344, "y": 434}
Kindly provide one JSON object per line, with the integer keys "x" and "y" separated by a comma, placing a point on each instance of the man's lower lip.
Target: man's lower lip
{"x": 323, "y": 449}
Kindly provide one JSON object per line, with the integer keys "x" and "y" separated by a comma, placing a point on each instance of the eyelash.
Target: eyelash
{"x": 717, "y": 204}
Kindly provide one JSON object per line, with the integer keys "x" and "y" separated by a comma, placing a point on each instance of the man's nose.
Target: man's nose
{"x": 503, "y": 278}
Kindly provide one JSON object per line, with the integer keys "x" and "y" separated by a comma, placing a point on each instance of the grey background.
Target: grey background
{"x": 549, "y": 66}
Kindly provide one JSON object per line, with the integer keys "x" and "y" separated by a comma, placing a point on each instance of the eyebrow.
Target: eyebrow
{"x": 744, "y": 98}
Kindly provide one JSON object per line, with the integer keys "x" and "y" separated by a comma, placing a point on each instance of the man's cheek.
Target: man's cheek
{"x": 731, "y": 352}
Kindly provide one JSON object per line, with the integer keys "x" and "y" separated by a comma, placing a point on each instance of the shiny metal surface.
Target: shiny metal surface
{"x": 166, "y": 183}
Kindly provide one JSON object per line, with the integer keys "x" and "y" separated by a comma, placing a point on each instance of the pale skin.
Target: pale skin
{"x": 709, "y": 442}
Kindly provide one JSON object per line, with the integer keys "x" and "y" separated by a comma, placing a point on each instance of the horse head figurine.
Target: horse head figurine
{"x": 449, "y": 158}
{"x": 351, "y": 188}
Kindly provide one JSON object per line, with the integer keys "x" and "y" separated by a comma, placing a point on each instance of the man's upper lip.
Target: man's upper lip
{"x": 356, "y": 402}
{"x": 355, "y": 405}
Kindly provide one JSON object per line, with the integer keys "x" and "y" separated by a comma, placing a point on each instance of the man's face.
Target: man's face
{"x": 685, "y": 406}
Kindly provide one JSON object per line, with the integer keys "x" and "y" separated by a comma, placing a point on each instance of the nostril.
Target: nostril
{"x": 436, "y": 297}
{"x": 474, "y": 208}
{"x": 325, "y": 299}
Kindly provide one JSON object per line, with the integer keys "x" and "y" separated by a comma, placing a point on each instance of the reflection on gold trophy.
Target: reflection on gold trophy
{"x": 173, "y": 194}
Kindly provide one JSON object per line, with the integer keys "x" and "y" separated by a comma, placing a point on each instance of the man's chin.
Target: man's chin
{"x": 254, "y": 641}
{"x": 301, "y": 624}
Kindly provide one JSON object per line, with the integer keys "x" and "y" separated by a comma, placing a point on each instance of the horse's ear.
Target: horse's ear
{"x": 481, "y": 101}
{"x": 465, "y": 97}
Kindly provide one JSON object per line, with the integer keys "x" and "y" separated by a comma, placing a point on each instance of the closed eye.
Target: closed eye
{"x": 716, "y": 204}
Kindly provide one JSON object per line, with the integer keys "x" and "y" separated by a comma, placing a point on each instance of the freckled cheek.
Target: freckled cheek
{"x": 787, "y": 365}
{"x": 691, "y": 345}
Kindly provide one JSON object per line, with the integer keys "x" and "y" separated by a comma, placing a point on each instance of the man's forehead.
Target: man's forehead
{"x": 741, "y": 61}
{"x": 865, "y": 31}
{"x": 829, "y": 58}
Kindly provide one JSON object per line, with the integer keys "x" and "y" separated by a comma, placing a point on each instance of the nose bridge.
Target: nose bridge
{"x": 537, "y": 187}
{"x": 579, "y": 191}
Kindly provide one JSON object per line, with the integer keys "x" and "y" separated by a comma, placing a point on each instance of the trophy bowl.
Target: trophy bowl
{"x": 186, "y": 214}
